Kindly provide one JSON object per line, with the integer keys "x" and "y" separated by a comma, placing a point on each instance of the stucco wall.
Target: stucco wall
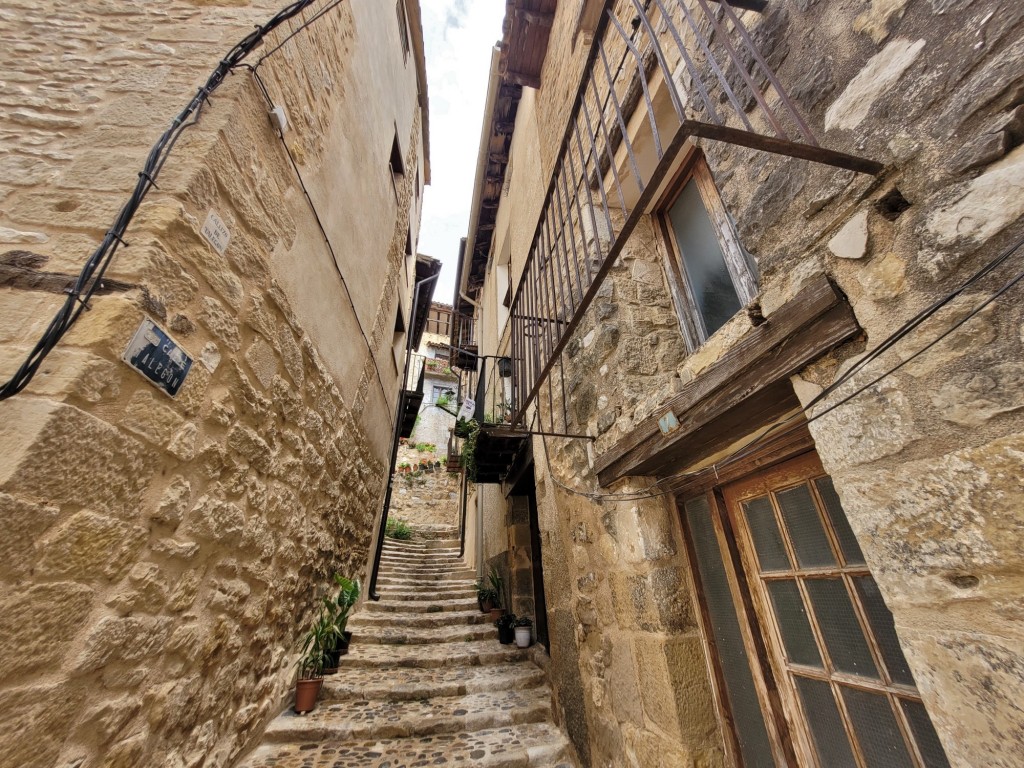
{"x": 162, "y": 555}
{"x": 927, "y": 462}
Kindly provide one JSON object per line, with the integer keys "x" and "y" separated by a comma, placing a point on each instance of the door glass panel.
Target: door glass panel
{"x": 707, "y": 276}
{"x": 880, "y": 739}
{"x": 792, "y": 620}
{"x": 883, "y": 628}
{"x": 805, "y": 528}
{"x": 843, "y": 636}
{"x": 771, "y": 553}
{"x": 750, "y": 729}
{"x": 847, "y": 541}
{"x": 830, "y": 740}
{"x": 924, "y": 734}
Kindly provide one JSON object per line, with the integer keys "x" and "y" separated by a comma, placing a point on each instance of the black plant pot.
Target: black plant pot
{"x": 506, "y": 635}
{"x": 331, "y": 660}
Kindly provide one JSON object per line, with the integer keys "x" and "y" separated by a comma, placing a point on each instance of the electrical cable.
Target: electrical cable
{"x": 875, "y": 353}
{"x": 90, "y": 277}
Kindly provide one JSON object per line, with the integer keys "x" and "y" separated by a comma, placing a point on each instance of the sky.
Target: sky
{"x": 458, "y": 38}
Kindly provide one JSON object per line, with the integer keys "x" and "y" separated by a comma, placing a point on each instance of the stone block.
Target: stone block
{"x": 89, "y": 547}
{"x": 127, "y": 639}
{"x": 216, "y": 520}
{"x": 878, "y": 75}
{"x": 972, "y": 398}
{"x": 22, "y": 523}
{"x": 221, "y": 323}
{"x": 851, "y": 241}
{"x": 38, "y": 624}
{"x": 151, "y": 419}
{"x": 34, "y": 728}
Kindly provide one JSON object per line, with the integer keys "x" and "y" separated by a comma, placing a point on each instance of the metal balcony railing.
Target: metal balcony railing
{"x": 658, "y": 73}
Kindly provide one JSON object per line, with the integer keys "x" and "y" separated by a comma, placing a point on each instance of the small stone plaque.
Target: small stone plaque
{"x": 158, "y": 357}
{"x": 216, "y": 232}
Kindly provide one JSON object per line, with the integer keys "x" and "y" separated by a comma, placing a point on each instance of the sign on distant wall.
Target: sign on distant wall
{"x": 158, "y": 357}
{"x": 216, "y": 232}
{"x": 467, "y": 409}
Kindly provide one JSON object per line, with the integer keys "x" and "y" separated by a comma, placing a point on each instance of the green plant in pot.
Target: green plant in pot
{"x": 338, "y": 608}
{"x": 496, "y": 588}
{"x": 486, "y": 597}
{"x": 523, "y": 627}
{"x": 311, "y": 664}
{"x": 506, "y": 625}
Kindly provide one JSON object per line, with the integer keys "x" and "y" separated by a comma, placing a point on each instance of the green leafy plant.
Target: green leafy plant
{"x": 507, "y": 621}
{"x": 339, "y": 607}
{"x": 469, "y": 449}
{"x": 426, "y": 447}
{"x": 497, "y": 584}
{"x": 398, "y": 529}
{"x": 314, "y": 647}
{"x": 524, "y": 621}
{"x": 444, "y": 400}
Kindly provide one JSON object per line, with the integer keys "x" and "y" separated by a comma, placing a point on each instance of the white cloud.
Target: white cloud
{"x": 458, "y": 38}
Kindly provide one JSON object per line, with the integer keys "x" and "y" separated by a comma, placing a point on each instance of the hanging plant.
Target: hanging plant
{"x": 469, "y": 449}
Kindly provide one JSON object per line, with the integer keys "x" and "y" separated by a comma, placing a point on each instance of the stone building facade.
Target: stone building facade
{"x": 434, "y": 422}
{"x": 162, "y": 554}
{"x": 853, "y": 409}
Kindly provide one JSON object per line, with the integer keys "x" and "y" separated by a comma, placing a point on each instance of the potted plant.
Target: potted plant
{"x": 506, "y": 625}
{"x": 337, "y": 610}
{"x": 486, "y": 597}
{"x": 311, "y": 665}
{"x": 523, "y": 631}
{"x": 496, "y": 590}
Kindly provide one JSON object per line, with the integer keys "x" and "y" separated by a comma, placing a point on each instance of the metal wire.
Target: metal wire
{"x": 91, "y": 275}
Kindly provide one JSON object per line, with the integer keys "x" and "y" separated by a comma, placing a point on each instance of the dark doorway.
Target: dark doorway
{"x": 526, "y": 487}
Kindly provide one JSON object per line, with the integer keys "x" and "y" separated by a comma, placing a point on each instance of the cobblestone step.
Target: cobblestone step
{"x": 421, "y": 584}
{"x": 521, "y": 746}
{"x": 473, "y": 653}
{"x": 393, "y": 605}
{"x": 364, "y": 719}
{"x": 418, "y": 619}
{"x": 430, "y": 595}
{"x": 401, "y": 683}
{"x": 391, "y": 635}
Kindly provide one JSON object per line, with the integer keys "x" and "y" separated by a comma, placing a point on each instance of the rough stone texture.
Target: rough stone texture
{"x": 452, "y": 702}
{"x": 426, "y": 498}
{"x": 927, "y": 461}
{"x": 160, "y": 555}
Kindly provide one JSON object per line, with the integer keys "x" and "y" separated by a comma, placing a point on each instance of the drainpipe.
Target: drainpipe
{"x": 394, "y": 437}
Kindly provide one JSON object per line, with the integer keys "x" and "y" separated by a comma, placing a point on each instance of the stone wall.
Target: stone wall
{"x": 428, "y": 500}
{"x": 161, "y": 555}
{"x": 927, "y": 462}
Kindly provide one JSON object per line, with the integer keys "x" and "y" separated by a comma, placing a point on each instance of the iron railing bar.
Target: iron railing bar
{"x": 622, "y": 129}
{"x": 783, "y": 147}
{"x": 543, "y": 274}
{"x": 571, "y": 260}
{"x": 551, "y": 405}
{"x": 676, "y": 103}
{"x": 582, "y": 179}
{"x": 619, "y": 243}
{"x": 641, "y": 72}
{"x": 754, "y": 90}
{"x": 572, "y": 236}
{"x": 711, "y": 60}
{"x": 568, "y": 301}
{"x": 597, "y": 169}
{"x": 770, "y": 74}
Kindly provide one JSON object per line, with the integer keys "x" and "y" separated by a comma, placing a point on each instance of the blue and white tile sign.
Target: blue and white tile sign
{"x": 158, "y": 357}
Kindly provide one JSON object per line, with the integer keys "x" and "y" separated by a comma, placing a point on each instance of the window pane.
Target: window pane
{"x": 750, "y": 729}
{"x": 847, "y": 541}
{"x": 830, "y": 740}
{"x": 843, "y": 636}
{"x": 792, "y": 619}
{"x": 805, "y": 528}
{"x": 706, "y": 273}
{"x": 874, "y": 724}
{"x": 771, "y": 554}
{"x": 924, "y": 734}
{"x": 883, "y": 628}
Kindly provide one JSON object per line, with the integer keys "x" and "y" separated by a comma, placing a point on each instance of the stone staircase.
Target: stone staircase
{"x": 425, "y": 683}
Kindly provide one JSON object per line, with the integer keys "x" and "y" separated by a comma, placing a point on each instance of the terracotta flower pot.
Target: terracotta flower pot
{"x": 496, "y": 613}
{"x": 306, "y": 693}
{"x": 486, "y": 605}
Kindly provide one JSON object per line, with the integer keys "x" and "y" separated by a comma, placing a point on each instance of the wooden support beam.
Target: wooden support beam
{"x": 504, "y": 127}
{"x": 752, "y": 374}
{"x": 523, "y": 78}
{"x": 498, "y": 157}
{"x": 537, "y": 18}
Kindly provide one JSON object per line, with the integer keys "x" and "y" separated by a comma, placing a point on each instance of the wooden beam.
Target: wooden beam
{"x": 523, "y": 78}
{"x": 498, "y": 157}
{"x": 799, "y": 332}
{"x": 537, "y": 18}
{"x": 504, "y": 127}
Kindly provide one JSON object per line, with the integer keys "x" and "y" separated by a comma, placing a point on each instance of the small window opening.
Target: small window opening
{"x": 396, "y": 161}
{"x": 403, "y": 27}
{"x": 892, "y": 204}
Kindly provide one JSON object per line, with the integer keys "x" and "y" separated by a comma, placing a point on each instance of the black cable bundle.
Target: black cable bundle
{"x": 89, "y": 279}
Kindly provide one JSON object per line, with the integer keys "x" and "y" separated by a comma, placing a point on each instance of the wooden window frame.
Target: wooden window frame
{"x": 741, "y": 267}
{"x": 785, "y": 718}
